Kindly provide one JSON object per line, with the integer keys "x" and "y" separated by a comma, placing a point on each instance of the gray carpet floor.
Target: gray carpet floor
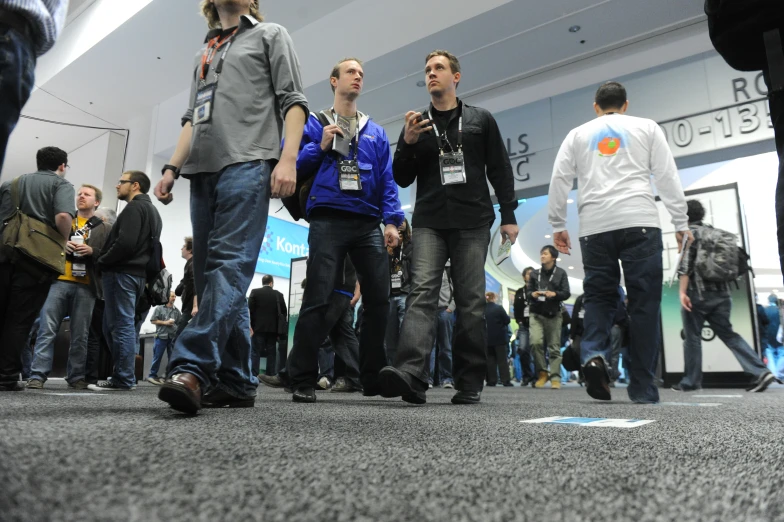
{"x": 120, "y": 457}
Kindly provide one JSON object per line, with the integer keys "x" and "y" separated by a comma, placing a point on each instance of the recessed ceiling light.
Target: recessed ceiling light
{"x": 574, "y": 28}
{"x": 421, "y": 83}
{"x": 571, "y": 268}
{"x": 570, "y": 201}
{"x": 559, "y": 259}
{"x": 547, "y": 236}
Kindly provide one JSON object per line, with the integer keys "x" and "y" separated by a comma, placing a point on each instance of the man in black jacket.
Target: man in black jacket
{"x": 186, "y": 289}
{"x": 123, "y": 263}
{"x": 547, "y": 289}
{"x": 522, "y": 314}
{"x": 497, "y": 321}
{"x": 452, "y": 152}
{"x": 265, "y": 305}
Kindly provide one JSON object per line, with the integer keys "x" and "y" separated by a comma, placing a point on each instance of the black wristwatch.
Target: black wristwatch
{"x": 171, "y": 168}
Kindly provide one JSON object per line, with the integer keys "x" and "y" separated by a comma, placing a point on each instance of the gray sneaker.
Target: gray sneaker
{"x": 35, "y": 384}
{"x": 342, "y": 385}
{"x": 761, "y": 384}
{"x": 81, "y": 384}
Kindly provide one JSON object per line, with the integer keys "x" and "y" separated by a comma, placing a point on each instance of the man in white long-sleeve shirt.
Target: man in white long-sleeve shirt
{"x": 613, "y": 158}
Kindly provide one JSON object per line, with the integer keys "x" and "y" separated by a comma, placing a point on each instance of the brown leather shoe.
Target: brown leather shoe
{"x": 183, "y": 393}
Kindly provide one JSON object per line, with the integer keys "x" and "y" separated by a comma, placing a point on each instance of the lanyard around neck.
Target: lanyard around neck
{"x": 354, "y": 138}
{"x": 446, "y": 138}
{"x": 549, "y": 280}
{"x": 209, "y": 54}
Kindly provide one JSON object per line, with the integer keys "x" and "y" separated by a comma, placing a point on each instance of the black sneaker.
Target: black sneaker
{"x": 681, "y": 388}
{"x": 463, "y": 397}
{"x": 12, "y": 386}
{"x": 304, "y": 394}
{"x": 107, "y": 386}
{"x": 597, "y": 380}
{"x": 218, "y": 398}
{"x": 396, "y": 383}
{"x": 761, "y": 384}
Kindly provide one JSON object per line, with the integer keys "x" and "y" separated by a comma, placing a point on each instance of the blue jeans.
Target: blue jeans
{"x": 443, "y": 345}
{"x": 331, "y": 238}
{"x": 65, "y": 299}
{"x": 160, "y": 346}
{"x": 17, "y": 73}
{"x": 524, "y": 353}
{"x": 229, "y": 217}
{"x": 27, "y": 352}
{"x": 640, "y": 251}
{"x": 713, "y": 307}
{"x": 121, "y": 294}
{"x": 397, "y": 311}
{"x": 467, "y": 250}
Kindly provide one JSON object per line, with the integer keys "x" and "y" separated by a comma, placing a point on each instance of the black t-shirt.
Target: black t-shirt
{"x": 442, "y": 119}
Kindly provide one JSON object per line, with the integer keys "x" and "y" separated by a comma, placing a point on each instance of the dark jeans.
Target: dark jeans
{"x": 326, "y": 360}
{"x": 229, "y": 216}
{"x": 497, "y": 364}
{"x": 524, "y": 351}
{"x": 264, "y": 344}
{"x": 185, "y": 318}
{"x": 715, "y": 308}
{"x": 21, "y": 298}
{"x": 397, "y": 311}
{"x": 346, "y": 346}
{"x": 442, "y": 348}
{"x": 467, "y": 250}
{"x": 29, "y": 349}
{"x": 776, "y": 104}
{"x": 330, "y": 239}
{"x": 17, "y": 74}
{"x": 121, "y": 295}
{"x": 640, "y": 251}
{"x": 99, "y": 357}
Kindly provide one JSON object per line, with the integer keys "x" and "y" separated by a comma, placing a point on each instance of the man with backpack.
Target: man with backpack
{"x": 352, "y": 193}
{"x": 705, "y": 296}
{"x": 124, "y": 264}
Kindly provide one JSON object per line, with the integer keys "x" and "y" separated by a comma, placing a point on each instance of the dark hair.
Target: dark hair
{"x": 407, "y": 231}
{"x": 611, "y": 95}
{"x": 189, "y": 243}
{"x": 454, "y": 63}
{"x": 137, "y": 176}
{"x": 551, "y": 249}
{"x": 50, "y": 158}
{"x": 267, "y": 280}
{"x": 527, "y": 269}
{"x": 695, "y": 211}
{"x": 336, "y": 70}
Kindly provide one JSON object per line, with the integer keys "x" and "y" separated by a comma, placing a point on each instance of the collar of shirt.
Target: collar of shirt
{"x": 245, "y": 22}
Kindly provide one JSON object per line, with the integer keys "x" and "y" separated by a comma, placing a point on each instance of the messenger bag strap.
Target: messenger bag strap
{"x": 15, "y": 193}
{"x": 775, "y": 53}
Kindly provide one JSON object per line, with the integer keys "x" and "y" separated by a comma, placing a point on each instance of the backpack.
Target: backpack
{"x": 297, "y": 203}
{"x": 719, "y": 259}
{"x": 159, "y": 280}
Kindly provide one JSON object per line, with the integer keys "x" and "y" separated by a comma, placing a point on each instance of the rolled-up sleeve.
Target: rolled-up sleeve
{"x": 285, "y": 70}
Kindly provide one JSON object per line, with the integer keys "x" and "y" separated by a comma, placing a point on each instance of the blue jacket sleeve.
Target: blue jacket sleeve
{"x": 310, "y": 154}
{"x": 390, "y": 203}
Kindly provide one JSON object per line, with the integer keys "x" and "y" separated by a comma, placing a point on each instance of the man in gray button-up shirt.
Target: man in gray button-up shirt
{"x": 246, "y": 83}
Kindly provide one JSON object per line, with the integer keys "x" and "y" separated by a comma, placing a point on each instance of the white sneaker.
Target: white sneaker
{"x": 449, "y": 386}
{"x": 324, "y": 383}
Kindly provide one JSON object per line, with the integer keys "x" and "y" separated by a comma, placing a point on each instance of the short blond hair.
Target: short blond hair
{"x": 98, "y": 193}
{"x": 210, "y": 13}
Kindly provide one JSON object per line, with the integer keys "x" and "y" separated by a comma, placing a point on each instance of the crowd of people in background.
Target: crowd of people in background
{"x": 247, "y": 136}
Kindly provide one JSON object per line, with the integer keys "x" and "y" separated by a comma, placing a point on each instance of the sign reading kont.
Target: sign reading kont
{"x": 283, "y": 241}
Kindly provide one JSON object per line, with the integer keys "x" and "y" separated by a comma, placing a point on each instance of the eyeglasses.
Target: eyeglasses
{"x": 121, "y": 181}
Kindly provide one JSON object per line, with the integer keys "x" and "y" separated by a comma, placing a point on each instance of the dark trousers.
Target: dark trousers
{"x": 524, "y": 351}
{"x": 17, "y": 73}
{"x": 497, "y": 364}
{"x": 330, "y": 239}
{"x": 346, "y": 347}
{"x": 185, "y": 318}
{"x": 776, "y": 104}
{"x": 264, "y": 344}
{"x": 467, "y": 250}
{"x": 640, "y": 252}
{"x": 21, "y": 298}
{"x": 99, "y": 357}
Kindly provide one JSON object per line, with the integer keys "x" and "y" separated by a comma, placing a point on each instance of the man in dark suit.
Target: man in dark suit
{"x": 265, "y": 305}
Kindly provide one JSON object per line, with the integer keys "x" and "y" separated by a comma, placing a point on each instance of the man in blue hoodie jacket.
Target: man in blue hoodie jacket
{"x": 350, "y": 196}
